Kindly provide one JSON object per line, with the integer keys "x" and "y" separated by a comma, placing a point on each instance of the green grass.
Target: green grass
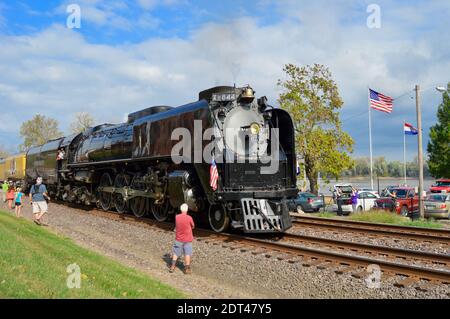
{"x": 392, "y": 218}
{"x": 34, "y": 261}
{"x": 325, "y": 215}
{"x": 384, "y": 217}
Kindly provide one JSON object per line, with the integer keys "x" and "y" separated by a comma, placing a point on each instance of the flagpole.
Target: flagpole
{"x": 404, "y": 151}
{"x": 370, "y": 138}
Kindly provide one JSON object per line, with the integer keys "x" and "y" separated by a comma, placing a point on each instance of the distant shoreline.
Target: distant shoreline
{"x": 358, "y": 178}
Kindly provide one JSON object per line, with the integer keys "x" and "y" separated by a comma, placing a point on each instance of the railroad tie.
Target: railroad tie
{"x": 424, "y": 286}
{"x": 283, "y": 256}
{"x": 312, "y": 262}
{"x": 277, "y": 255}
{"x": 238, "y": 247}
{"x": 294, "y": 260}
{"x": 326, "y": 264}
{"x": 259, "y": 251}
{"x": 343, "y": 269}
{"x": 409, "y": 281}
{"x": 359, "y": 274}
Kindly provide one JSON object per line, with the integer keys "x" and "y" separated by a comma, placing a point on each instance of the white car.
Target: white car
{"x": 368, "y": 190}
{"x": 366, "y": 200}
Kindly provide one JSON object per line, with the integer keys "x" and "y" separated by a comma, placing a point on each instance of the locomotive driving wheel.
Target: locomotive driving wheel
{"x": 138, "y": 204}
{"x": 120, "y": 203}
{"x": 105, "y": 197}
{"x": 160, "y": 211}
{"x": 218, "y": 218}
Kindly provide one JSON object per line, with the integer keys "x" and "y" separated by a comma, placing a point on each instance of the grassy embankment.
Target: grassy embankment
{"x": 385, "y": 218}
{"x": 34, "y": 261}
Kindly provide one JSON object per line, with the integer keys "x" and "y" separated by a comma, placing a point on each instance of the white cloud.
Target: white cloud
{"x": 152, "y": 4}
{"x": 147, "y": 21}
{"x": 148, "y": 4}
{"x": 58, "y": 73}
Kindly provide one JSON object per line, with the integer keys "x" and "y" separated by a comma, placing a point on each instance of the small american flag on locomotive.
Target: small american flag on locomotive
{"x": 214, "y": 175}
{"x": 380, "y": 101}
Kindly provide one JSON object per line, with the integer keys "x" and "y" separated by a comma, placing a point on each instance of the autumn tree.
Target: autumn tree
{"x": 439, "y": 143}
{"x": 3, "y": 152}
{"x": 312, "y": 98}
{"x": 38, "y": 130}
{"x": 81, "y": 122}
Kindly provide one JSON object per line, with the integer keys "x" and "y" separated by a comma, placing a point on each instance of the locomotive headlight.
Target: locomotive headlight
{"x": 255, "y": 128}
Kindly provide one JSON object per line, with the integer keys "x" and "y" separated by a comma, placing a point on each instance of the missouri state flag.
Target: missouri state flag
{"x": 409, "y": 129}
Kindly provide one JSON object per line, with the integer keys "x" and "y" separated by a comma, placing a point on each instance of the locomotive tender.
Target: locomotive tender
{"x": 133, "y": 165}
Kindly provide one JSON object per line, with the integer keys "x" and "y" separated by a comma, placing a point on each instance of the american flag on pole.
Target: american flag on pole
{"x": 213, "y": 175}
{"x": 380, "y": 101}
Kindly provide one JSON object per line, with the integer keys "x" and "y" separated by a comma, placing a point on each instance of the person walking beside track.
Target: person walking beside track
{"x": 5, "y": 187}
{"x": 38, "y": 196}
{"x": 10, "y": 196}
{"x": 338, "y": 197}
{"x": 18, "y": 201}
{"x": 354, "y": 198}
{"x": 184, "y": 224}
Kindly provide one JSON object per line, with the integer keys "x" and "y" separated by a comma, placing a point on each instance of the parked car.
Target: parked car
{"x": 437, "y": 206}
{"x": 442, "y": 186}
{"x": 306, "y": 202}
{"x": 366, "y": 200}
{"x": 363, "y": 189}
{"x": 346, "y": 198}
{"x": 384, "y": 192}
{"x": 406, "y": 201}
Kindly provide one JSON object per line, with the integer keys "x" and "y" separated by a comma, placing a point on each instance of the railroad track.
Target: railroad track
{"x": 342, "y": 258}
{"x": 441, "y": 236}
{"x": 441, "y": 261}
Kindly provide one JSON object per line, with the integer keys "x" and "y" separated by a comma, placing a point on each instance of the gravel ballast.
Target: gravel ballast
{"x": 218, "y": 272}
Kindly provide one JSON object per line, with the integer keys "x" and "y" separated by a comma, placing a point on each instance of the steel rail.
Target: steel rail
{"x": 417, "y": 233}
{"x": 442, "y": 259}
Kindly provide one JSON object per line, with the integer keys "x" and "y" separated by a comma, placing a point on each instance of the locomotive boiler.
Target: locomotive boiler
{"x": 164, "y": 156}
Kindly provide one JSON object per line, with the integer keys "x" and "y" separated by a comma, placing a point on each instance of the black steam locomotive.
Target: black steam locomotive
{"x": 165, "y": 156}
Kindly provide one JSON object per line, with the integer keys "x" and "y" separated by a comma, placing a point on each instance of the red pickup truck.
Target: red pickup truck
{"x": 442, "y": 185}
{"x": 404, "y": 203}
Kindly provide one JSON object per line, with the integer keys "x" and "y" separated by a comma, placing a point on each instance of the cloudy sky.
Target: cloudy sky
{"x": 128, "y": 55}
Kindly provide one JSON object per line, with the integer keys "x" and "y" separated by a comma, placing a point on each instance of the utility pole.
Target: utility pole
{"x": 420, "y": 153}
{"x": 404, "y": 151}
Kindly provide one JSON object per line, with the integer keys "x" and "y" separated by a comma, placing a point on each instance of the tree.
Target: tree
{"x": 439, "y": 143}
{"x": 81, "y": 122}
{"x": 3, "y": 153}
{"x": 38, "y": 130}
{"x": 380, "y": 166}
{"x": 311, "y": 96}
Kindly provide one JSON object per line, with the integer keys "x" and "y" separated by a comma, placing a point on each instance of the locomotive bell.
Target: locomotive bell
{"x": 248, "y": 95}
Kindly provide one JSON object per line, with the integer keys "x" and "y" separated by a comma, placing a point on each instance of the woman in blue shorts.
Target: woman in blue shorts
{"x": 18, "y": 200}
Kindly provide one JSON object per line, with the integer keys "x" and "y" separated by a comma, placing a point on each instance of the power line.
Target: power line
{"x": 351, "y": 117}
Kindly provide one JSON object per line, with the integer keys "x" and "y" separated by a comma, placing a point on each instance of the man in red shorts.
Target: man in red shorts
{"x": 184, "y": 224}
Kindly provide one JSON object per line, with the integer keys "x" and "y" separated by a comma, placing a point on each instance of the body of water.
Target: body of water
{"x": 380, "y": 184}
